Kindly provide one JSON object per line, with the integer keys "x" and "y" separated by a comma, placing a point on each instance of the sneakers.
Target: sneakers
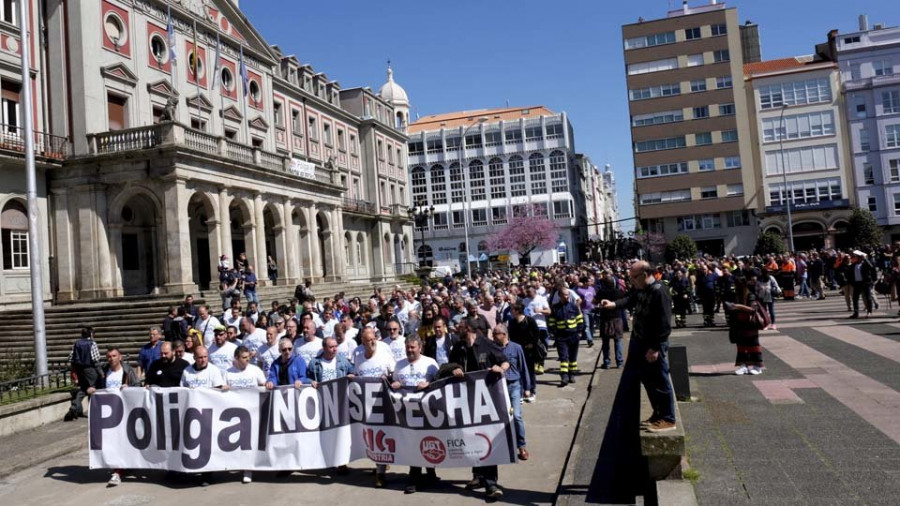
{"x": 538, "y": 369}
{"x": 742, "y": 370}
{"x": 648, "y": 422}
{"x": 661, "y": 426}
{"x": 756, "y": 370}
{"x": 590, "y": 344}
{"x": 114, "y": 480}
{"x": 248, "y": 477}
{"x": 410, "y": 489}
{"x": 494, "y": 492}
{"x": 474, "y": 483}
{"x": 605, "y": 365}
{"x": 523, "y": 454}
{"x": 530, "y": 399}
{"x": 379, "y": 480}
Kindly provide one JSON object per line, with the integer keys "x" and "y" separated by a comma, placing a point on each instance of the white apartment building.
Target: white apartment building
{"x": 477, "y": 168}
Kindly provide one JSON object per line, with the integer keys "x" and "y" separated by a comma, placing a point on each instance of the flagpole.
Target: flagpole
{"x": 245, "y": 84}
{"x": 173, "y": 54}
{"x": 217, "y": 78}
{"x": 196, "y": 67}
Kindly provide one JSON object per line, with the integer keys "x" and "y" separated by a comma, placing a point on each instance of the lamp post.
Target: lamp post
{"x": 462, "y": 154}
{"x": 787, "y": 200}
{"x": 420, "y": 214}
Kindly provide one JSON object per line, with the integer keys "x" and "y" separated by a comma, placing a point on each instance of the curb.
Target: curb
{"x": 41, "y": 455}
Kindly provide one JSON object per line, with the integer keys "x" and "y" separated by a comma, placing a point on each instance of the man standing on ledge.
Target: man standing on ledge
{"x": 650, "y": 342}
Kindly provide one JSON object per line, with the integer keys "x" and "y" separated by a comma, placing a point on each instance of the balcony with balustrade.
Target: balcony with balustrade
{"x": 173, "y": 134}
{"x": 47, "y": 147}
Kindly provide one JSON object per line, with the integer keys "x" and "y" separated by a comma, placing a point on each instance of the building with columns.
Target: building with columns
{"x": 152, "y": 168}
{"x": 601, "y": 200}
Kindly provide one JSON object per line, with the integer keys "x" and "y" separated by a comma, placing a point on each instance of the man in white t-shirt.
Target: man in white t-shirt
{"x": 200, "y": 374}
{"x": 328, "y": 323}
{"x": 206, "y": 324}
{"x": 232, "y": 317}
{"x": 308, "y": 345}
{"x": 243, "y": 375}
{"x": 373, "y": 362}
{"x": 345, "y": 346}
{"x": 416, "y": 371}
{"x": 536, "y": 306}
{"x": 221, "y": 352}
{"x": 181, "y": 351}
{"x": 117, "y": 375}
{"x": 395, "y": 340}
{"x": 350, "y": 330}
{"x": 253, "y": 337}
{"x": 268, "y": 353}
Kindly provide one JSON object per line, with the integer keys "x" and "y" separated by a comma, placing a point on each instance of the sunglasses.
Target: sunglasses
{"x": 287, "y": 349}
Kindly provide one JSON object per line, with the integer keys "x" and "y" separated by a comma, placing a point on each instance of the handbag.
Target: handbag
{"x": 760, "y": 318}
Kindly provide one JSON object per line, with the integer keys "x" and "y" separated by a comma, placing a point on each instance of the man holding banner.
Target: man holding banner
{"x": 374, "y": 362}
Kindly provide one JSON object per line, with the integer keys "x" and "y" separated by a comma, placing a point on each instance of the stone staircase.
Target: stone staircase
{"x": 125, "y": 321}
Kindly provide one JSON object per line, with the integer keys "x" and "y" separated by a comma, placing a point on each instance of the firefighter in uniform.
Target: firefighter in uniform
{"x": 681, "y": 297}
{"x": 566, "y": 324}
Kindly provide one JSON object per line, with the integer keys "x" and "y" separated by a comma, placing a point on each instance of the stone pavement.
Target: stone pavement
{"x": 550, "y": 428}
{"x": 819, "y": 426}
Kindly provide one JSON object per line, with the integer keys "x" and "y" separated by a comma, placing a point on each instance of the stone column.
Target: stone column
{"x": 259, "y": 227}
{"x": 224, "y": 230}
{"x": 290, "y": 258}
{"x": 65, "y": 245}
{"x": 179, "y": 272}
{"x": 377, "y": 258}
{"x": 337, "y": 237}
{"x": 103, "y": 245}
{"x": 115, "y": 241}
{"x": 315, "y": 255}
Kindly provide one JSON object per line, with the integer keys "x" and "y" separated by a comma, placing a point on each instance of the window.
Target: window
{"x": 883, "y": 67}
{"x": 326, "y": 134}
{"x": 438, "y": 185}
{"x": 459, "y": 220}
{"x": 892, "y": 136}
{"x": 278, "y": 111}
{"x": 158, "y": 48}
{"x": 732, "y": 162}
{"x": 659, "y": 144}
{"x": 663, "y": 90}
{"x": 808, "y": 191}
{"x": 695, "y": 60}
{"x": 662, "y": 197}
{"x": 116, "y": 111}
{"x": 717, "y": 30}
{"x": 11, "y": 11}
{"x": 227, "y": 79}
{"x": 729, "y": 136}
{"x": 10, "y": 101}
{"x": 653, "y": 66}
{"x": 897, "y": 203}
{"x": 435, "y": 145}
{"x": 698, "y": 85}
{"x": 379, "y": 149}
{"x": 708, "y": 192}
{"x": 198, "y": 124}
{"x": 14, "y": 235}
{"x": 861, "y": 109}
{"x": 562, "y": 209}
{"x": 721, "y": 55}
{"x": 685, "y": 223}
{"x": 662, "y": 170}
{"x": 554, "y": 131}
{"x": 650, "y": 40}
{"x": 707, "y": 165}
{"x": 533, "y": 133}
{"x": 536, "y": 174}
{"x": 457, "y": 184}
{"x": 513, "y": 135}
{"x": 498, "y": 215}
{"x": 493, "y": 138}
{"x": 894, "y": 170}
{"x": 516, "y": 176}
{"x": 354, "y": 147}
{"x": 735, "y": 189}
{"x": 868, "y": 173}
{"x": 699, "y": 222}
{"x": 692, "y": 33}
{"x": 890, "y": 101}
{"x": 559, "y": 180}
{"x": 723, "y": 82}
{"x": 851, "y": 40}
{"x": 479, "y": 217}
{"x": 873, "y": 204}
{"x": 701, "y": 112}
{"x": 703, "y": 139}
{"x": 809, "y": 91}
{"x": 313, "y": 129}
{"x": 440, "y": 221}
{"x": 342, "y": 143}
{"x": 802, "y": 159}
{"x": 800, "y": 126}
{"x": 863, "y": 140}
{"x": 498, "y": 178}
{"x": 473, "y": 141}
{"x": 726, "y": 110}
{"x": 657, "y": 118}
{"x": 738, "y": 219}
{"x": 476, "y": 180}
{"x": 452, "y": 143}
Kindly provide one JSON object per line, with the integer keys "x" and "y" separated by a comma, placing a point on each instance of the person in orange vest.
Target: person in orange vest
{"x": 786, "y": 280}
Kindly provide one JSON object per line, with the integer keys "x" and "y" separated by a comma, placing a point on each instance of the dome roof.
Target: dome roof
{"x": 393, "y": 92}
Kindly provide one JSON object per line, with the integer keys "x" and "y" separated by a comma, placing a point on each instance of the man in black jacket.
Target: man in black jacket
{"x": 167, "y": 370}
{"x": 523, "y": 330}
{"x": 476, "y": 353}
{"x": 85, "y": 366}
{"x": 652, "y": 308}
{"x": 861, "y": 275}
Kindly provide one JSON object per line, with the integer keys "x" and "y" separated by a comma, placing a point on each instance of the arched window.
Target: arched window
{"x": 419, "y": 185}
{"x": 457, "y": 184}
{"x": 476, "y": 180}
{"x": 516, "y": 176}
{"x": 498, "y": 181}
{"x": 14, "y": 233}
{"x": 360, "y": 256}
{"x": 559, "y": 180}
{"x": 438, "y": 185}
{"x": 537, "y": 174}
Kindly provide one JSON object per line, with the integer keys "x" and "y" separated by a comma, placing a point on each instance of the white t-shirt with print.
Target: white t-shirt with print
{"x": 307, "y": 349}
{"x": 329, "y": 369}
{"x": 255, "y": 340}
{"x": 359, "y": 353}
{"x": 411, "y": 374}
{"x": 222, "y": 357}
{"x": 210, "y": 377}
{"x": 398, "y": 347}
{"x": 265, "y": 356}
{"x": 114, "y": 378}
{"x": 345, "y": 349}
{"x": 381, "y": 364}
{"x": 250, "y": 377}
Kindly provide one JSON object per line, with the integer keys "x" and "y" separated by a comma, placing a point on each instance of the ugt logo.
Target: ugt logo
{"x": 379, "y": 448}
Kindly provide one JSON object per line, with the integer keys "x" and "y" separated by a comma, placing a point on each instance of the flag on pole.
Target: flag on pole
{"x": 244, "y": 79}
{"x": 170, "y": 32}
{"x": 217, "y": 69}
{"x": 195, "y": 61}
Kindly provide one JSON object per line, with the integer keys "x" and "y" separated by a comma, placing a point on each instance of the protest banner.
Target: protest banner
{"x": 451, "y": 423}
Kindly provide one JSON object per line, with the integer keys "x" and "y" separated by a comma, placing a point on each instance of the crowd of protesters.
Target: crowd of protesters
{"x": 451, "y": 324}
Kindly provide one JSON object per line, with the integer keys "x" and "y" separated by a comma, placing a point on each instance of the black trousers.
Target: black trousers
{"x": 87, "y": 377}
{"x": 864, "y": 290}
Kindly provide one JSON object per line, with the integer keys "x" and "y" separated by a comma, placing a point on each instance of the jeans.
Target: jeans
{"x": 655, "y": 378}
{"x": 515, "y": 397}
{"x": 251, "y": 296}
{"x": 771, "y": 306}
{"x": 605, "y": 350}
{"x": 804, "y": 286}
{"x": 588, "y": 326}
{"x": 487, "y": 474}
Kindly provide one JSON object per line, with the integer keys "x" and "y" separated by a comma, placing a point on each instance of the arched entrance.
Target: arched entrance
{"x": 137, "y": 249}
{"x": 241, "y": 229}
{"x": 808, "y": 235}
{"x": 201, "y": 220}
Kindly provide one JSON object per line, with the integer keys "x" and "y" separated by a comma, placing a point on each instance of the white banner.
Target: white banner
{"x": 303, "y": 169}
{"x": 452, "y": 423}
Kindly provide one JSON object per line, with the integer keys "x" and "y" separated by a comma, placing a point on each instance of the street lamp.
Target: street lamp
{"x": 788, "y": 195}
{"x": 462, "y": 154}
{"x": 419, "y": 214}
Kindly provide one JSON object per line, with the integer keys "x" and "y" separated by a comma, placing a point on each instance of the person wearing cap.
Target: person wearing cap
{"x": 221, "y": 351}
{"x": 861, "y": 275}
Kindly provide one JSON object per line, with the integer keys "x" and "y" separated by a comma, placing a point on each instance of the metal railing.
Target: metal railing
{"x": 359, "y": 205}
{"x": 21, "y": 389}
{"x": 46, "y": 145}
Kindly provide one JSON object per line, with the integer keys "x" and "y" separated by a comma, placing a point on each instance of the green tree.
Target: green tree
{"x": 864, "y": 231}
{"x": 769, "y": 243}
{"x": 682, "y": 247}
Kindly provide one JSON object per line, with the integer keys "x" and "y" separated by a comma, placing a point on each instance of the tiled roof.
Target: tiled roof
{"x": 464, "y": 118}
{"x": 764, "y": 67}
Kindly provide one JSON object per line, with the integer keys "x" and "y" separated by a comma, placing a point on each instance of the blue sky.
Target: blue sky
{"x": 567, "y": 54}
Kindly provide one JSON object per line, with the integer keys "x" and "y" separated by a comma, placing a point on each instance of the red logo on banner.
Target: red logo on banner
{"x": 379, "y": 448}
{"x": 433, "y": 449}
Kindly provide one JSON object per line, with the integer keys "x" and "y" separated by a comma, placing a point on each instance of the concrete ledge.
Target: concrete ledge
{"x": 33, "y": 413}
{"x": 665, "y": 450}
{"x": 675, "y": 493}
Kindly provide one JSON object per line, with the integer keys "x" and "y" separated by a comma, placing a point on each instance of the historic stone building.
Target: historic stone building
{"x": 158, "y": 167}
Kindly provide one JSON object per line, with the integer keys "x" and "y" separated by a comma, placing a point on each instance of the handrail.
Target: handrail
{"x": 46, "y": 145}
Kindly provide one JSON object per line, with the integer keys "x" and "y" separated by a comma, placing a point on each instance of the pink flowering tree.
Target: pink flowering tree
{"x": 527, "y": 230}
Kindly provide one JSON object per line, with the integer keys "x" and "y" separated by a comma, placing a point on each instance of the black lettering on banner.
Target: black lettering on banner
{"x": 141, "y": 443}
{"x": 203, "y": 441}
{"x": 175, "y": 420}
{"x": 242, "y": 428}
{"x": 99, "y": 422}
{"x": 160, "y": 422}
{"x": 265, "y": 406}
{"x": 354, "y": 392}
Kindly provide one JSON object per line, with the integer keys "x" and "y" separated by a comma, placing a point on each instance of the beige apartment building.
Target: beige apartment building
{"x": 693, "y": 154}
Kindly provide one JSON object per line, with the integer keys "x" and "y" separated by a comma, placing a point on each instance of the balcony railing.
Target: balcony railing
{"x": 359, "y": 206}
{"x": 170, "y": 133}
{"x": 45, "y": 145}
